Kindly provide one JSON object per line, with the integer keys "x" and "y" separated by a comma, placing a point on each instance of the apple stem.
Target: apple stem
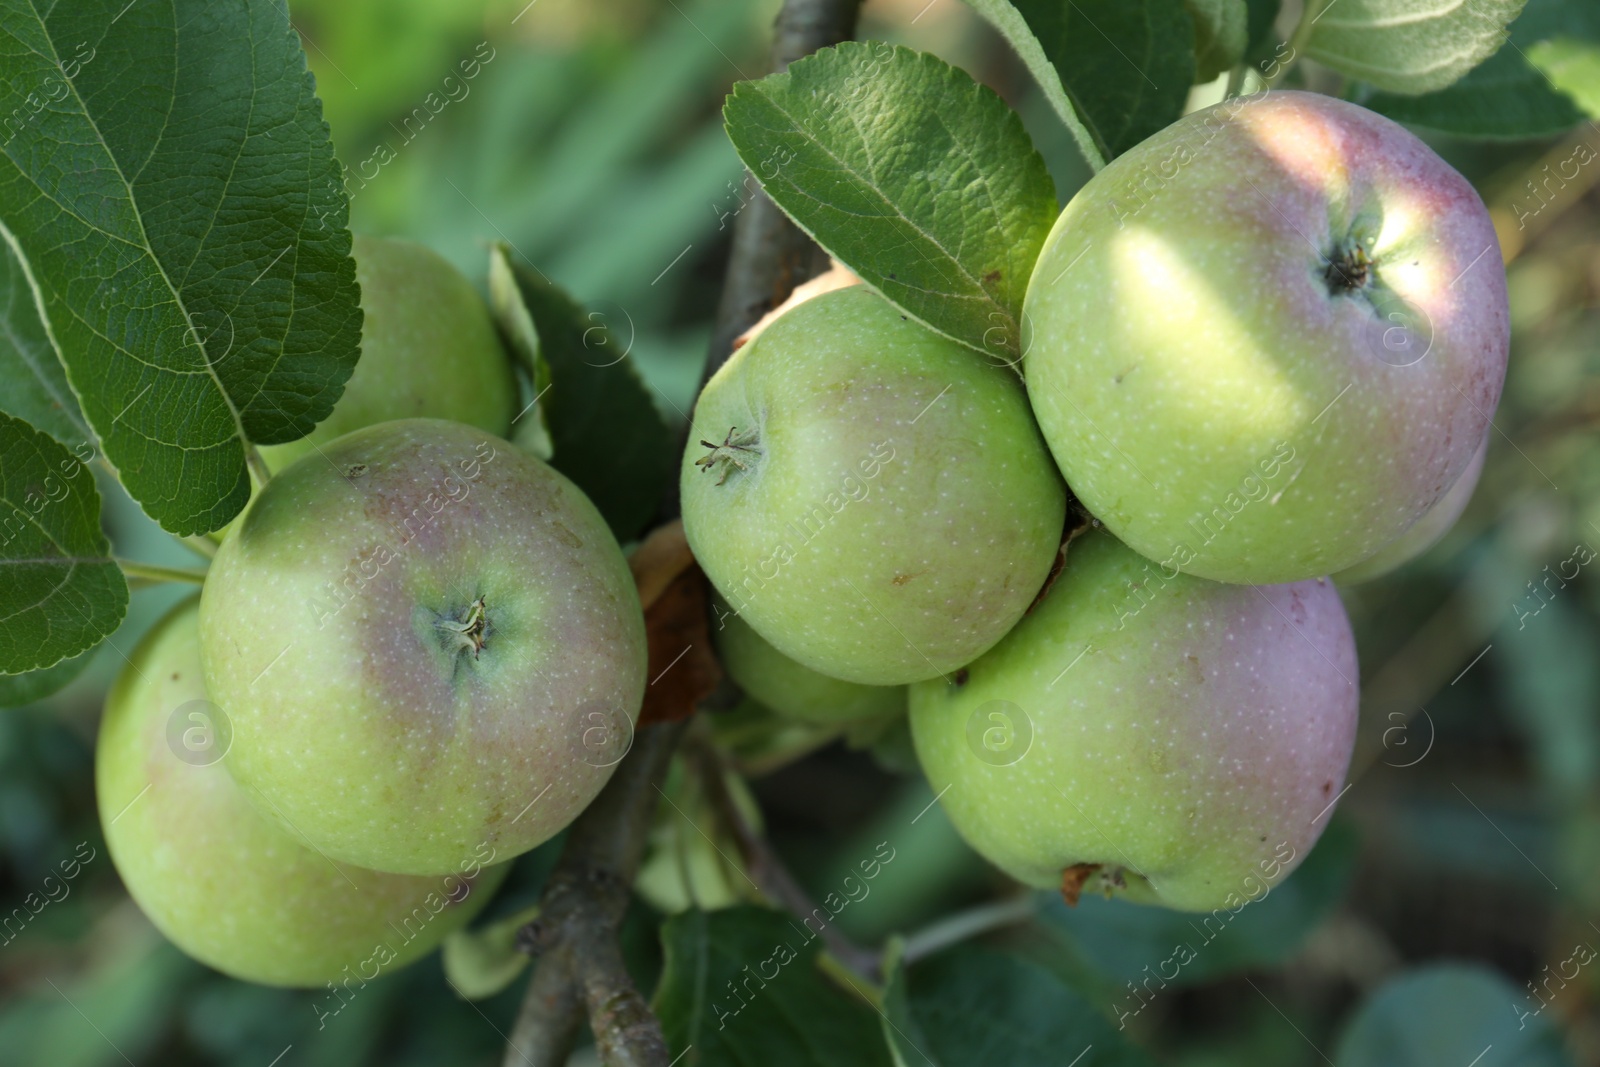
{"x": 259, "y": 473}
{"x": 146, "y": 574}
{"x": 200, "y": 544}
{"x": 765, "y": 868}
{"x": 1309, "y": 14}
{"x": 964, "y": 925}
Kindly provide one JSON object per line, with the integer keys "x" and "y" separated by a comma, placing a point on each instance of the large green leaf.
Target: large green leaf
{"x": 1221, "y": 32}
{"x": 25, "y": 688}
{"x": 1505, "y": 98}
{"x": 1263, "y": 13}
{"x": 1119, "y": 942}
{"x": 170, "y": 186}
{"x": 1125, "y": 65}
{"x": 968, "y": 1006}
{"x": 1451, "y": 1016}
{"x": 1532, "y": 87}
{"x": 742, "y": 986}
{"x": 599, "y": 425}
{"x": 60, "y": 591}
{"x": 911, "y": 174}
{"x": 33, "y": 385}
{"x": 1409, "y": 46}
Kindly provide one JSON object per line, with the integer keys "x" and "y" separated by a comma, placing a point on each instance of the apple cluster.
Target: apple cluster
{"x": 1261, "y": 348}
{"x": 391, "y": 681}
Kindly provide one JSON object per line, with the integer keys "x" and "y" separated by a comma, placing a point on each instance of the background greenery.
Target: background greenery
{"x": 1462, "y": 867}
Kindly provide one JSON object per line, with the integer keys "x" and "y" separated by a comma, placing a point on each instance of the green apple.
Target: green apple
{"x": 428, "y": 350}
{"x": 1146, "y": 733}
{"x": 793, "y": 689}
{"x": 428, "y": 642}
{"x": 226, "y": 885}
{"x": 874, "y": 499}
{"x": 1424, "y": 533}
{"x": 1264, "y": 342}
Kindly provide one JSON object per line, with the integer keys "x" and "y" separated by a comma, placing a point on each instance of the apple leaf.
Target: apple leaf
{"x": 1531, "y": 88}
{"x": 1263, "y": 13}
{"x": 170, "y": 187}
{"x": 480, "y": 963}
{"x": 60, "y": 591}
{"x": 1451, "y": 1013}
{"x": 1124, "y": 65}
{"x": 1573, "y": 67}
{"x": 33, "y": 385}
{"x": 604, "y": 430}
{"x": 1221, "y": 31}
{"x": 531, "y": 430}
{"x": 1013, "y": 26}
{"x": 911, "y": 174}
{"x": 19, "y": 689}
{"x": 969, "y": 1006}
{"x": 1505, "y": 97}
{"x": 1407, "y": 46}
{"x": 742, "y": 985}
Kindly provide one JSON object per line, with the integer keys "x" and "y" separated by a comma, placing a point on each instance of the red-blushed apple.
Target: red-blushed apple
{"x": 226, "y": 885}
{"x": 872, "y": 498}
{"x": 1266, "y": 341}
{"x": 1147, "y": 733}
{"x": 427, "y": 641}
{"x": 793, "y": 689}
{"x": 428, "y": 350}
{"x": 1424, "y": 533}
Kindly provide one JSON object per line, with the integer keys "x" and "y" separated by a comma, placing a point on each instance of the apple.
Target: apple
{"x": 1424, "y": 533}
{"x": 226, "y": 885}
{"x": 1146, "y": 733}
{"x": 1264, "y": 343}
{"x": 874, "y": 499}
{"x": 428, "y": 350}
{"x": 428, "y": 642}
{"x": 793, "y": 689}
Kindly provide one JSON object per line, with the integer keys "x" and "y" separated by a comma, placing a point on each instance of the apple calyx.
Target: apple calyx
{"x": 471, "y": 632}
{"x": 727, "y": 453}
{"x": 1108, "y": 880}
{"x": 1349, "y": 269}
